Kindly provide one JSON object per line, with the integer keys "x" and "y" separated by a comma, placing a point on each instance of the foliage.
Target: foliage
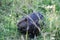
{"x": 12, "y": 10}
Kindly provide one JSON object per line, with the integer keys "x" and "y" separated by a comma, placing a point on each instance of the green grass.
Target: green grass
{"x": 11, "y": 11}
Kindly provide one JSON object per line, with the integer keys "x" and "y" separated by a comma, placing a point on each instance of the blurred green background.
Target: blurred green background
{"x": 12, "y": 10}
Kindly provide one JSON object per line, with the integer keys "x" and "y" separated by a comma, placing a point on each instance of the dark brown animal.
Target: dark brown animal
{"x": 26, "y": 24}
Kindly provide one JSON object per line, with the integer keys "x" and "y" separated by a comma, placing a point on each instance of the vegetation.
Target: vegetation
{"x": 12, "y": 10}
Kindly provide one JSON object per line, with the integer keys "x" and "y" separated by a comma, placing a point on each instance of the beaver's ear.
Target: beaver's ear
{"x": 25, "y": 19}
